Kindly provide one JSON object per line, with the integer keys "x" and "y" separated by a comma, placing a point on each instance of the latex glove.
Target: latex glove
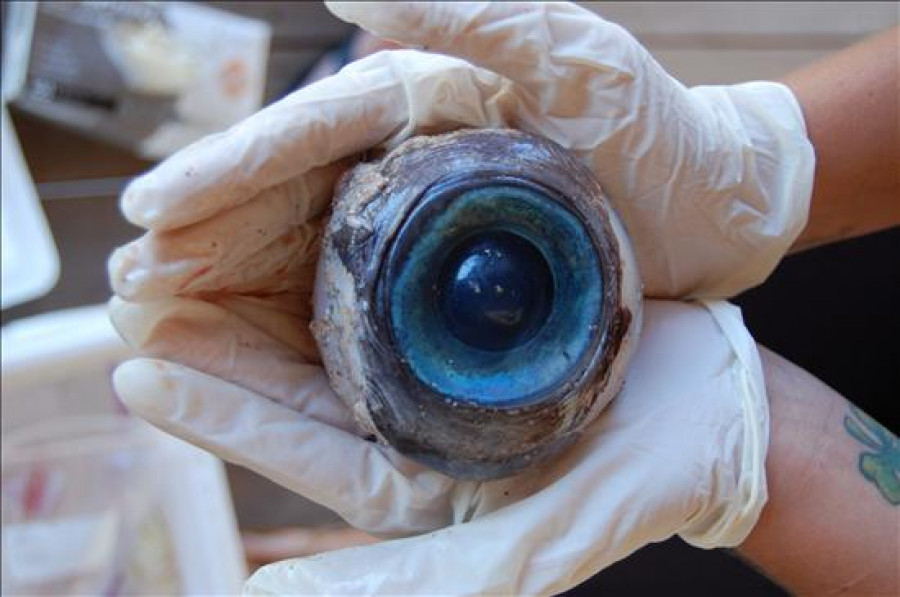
{"x": 221, "y": 281}
{"x": 713, "y": 183}
{"x": 680, "y": 450}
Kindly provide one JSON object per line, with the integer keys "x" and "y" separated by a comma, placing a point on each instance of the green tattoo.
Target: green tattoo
{"x": 881, "y": 467}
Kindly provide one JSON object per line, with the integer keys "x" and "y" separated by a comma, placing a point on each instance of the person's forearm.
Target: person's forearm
{"x": 832, "y": 522}
{"x": 850, "y": 104}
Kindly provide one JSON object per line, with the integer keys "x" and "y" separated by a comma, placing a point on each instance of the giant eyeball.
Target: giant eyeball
{"x": 476, "y": 300}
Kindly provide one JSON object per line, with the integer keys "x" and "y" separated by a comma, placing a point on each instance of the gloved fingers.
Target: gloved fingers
{"x": 562, "y": 54}
{"x": 283, "y": 316}
{"x": 261, "y": 245}
{"x": 340, "y": 470}
{"x": 542, "y": 545}
{"x": 307, "y": 193}
{"x": 336, "y": 117}
{"x": 265, "y": 547}
{"x": 212, "y": 339}
{"x": 259, "y": 274}
{"x": 230, "y": 253}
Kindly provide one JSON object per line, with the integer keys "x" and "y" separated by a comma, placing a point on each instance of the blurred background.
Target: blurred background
{"x": 831, "y": 310}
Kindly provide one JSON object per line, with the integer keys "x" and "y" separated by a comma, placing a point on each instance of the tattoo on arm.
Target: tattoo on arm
{"x": 881, "y": 466}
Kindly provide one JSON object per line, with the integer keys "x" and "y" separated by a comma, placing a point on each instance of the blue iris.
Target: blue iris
{"x": 493, "y": 292}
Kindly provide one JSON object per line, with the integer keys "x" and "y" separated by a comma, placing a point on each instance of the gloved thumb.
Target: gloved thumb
{"x": 543, "y": 544}
{"x": 465, "y": 559}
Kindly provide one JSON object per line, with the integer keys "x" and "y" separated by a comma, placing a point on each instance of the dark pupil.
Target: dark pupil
{"x": 495, "y": 290}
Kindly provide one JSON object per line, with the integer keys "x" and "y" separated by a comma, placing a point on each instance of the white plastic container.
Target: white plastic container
{"x": 148, "y": 76}
{"x": 168, "y": 528}
{"x": 30, "y": 264}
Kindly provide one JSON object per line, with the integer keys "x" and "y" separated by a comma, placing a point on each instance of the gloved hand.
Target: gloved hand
{"x": 680, "y": 450}
{"x": 713, "y": 183}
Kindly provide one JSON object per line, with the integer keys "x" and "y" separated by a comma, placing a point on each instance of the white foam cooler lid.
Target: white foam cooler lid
{"x": 60, "y": 364}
